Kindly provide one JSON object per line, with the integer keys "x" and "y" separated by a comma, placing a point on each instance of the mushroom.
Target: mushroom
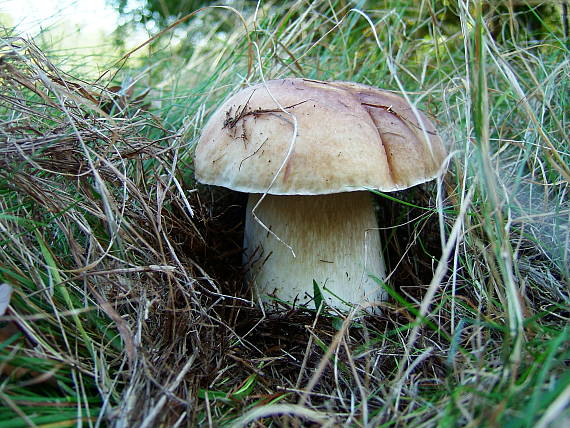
{"x": 316, "y": 221}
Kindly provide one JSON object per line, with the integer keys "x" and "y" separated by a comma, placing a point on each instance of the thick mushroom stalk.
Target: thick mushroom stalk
{"x": 336, "y": 242}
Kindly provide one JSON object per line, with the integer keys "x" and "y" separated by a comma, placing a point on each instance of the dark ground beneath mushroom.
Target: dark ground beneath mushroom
{"x": 242, "y": 341}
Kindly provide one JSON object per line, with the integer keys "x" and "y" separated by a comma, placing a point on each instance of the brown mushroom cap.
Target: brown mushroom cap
{"x": 349, "y": 136}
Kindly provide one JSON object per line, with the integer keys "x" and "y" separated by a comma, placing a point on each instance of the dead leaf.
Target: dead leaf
{"x": 5, "y": 294}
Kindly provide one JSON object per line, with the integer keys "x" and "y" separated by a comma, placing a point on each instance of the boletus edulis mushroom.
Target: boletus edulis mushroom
{"x": 316, "y": 220}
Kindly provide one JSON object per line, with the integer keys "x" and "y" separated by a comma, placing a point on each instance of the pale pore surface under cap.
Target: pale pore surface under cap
{"x": 349, "y": 136}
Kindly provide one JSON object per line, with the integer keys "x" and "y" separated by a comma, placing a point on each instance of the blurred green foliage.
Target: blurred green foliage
{"x": 504, "y": 17}
{"x": 162, "y": 12}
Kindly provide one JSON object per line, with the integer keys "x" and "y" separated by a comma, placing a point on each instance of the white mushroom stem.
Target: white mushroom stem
{"x": 336, "y": 242}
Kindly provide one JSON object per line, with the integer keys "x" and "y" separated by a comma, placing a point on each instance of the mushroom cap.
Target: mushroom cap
{"x": 349, "y": 137}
